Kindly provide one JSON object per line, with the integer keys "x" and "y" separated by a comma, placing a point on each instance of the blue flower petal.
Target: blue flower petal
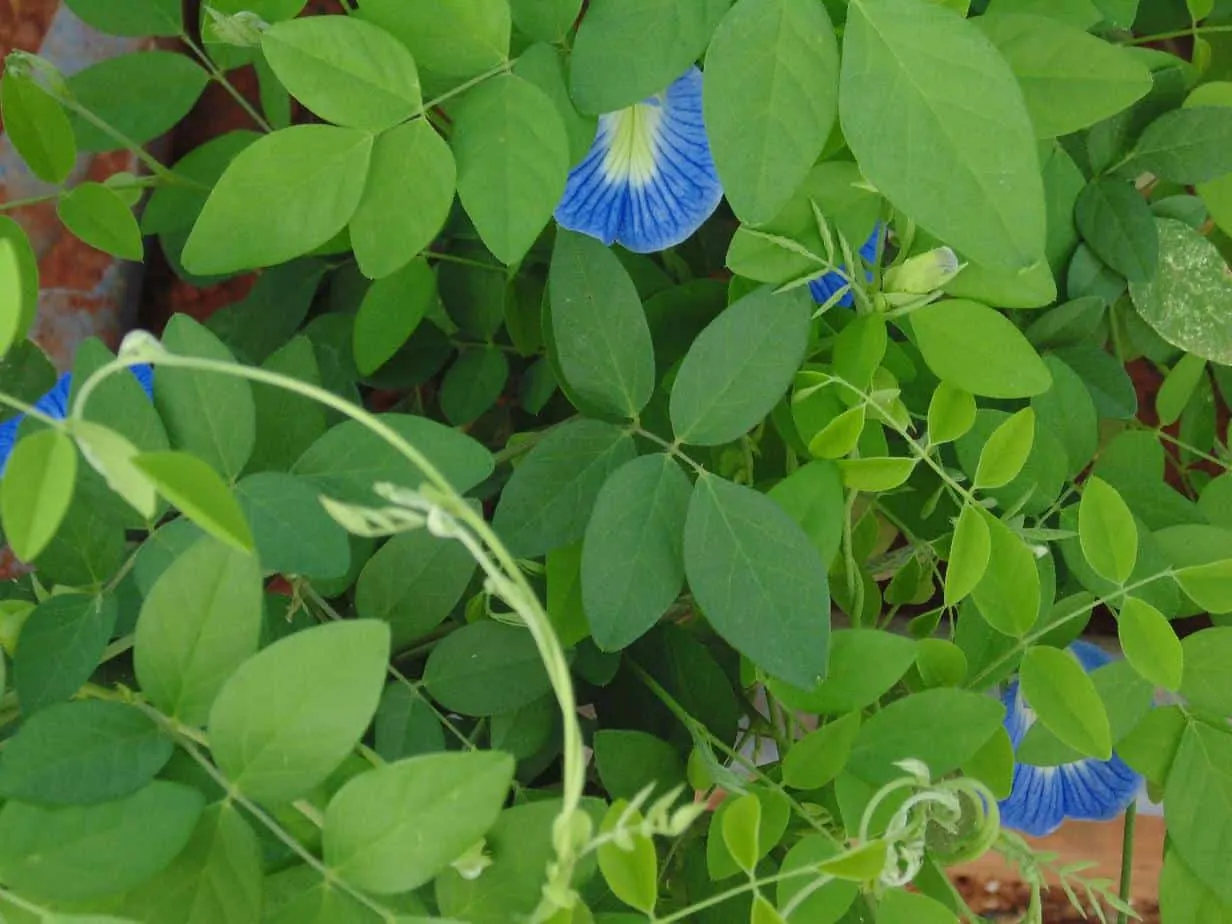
{"x": 823, "y": 287}
{"x": 1042, "y": 797}
{"x": 55, "y": 402}
{"x": 8, "y": 439}
{"x": 145, "y": 377}
{"x": 648, "y": 181}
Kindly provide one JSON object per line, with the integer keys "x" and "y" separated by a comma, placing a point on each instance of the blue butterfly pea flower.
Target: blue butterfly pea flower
{"x": 823, "y": 287}
{"x": 55, "y": 405}
{"x": 1090, "y": 790}
{"x": 649, "y": 180}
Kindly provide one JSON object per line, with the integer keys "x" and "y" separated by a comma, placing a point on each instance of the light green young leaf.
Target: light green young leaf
{"x": 633, "y": 874}
{"x": 1107, "y": 530}
{"x": 199, "y": 622}
{"x": 970, "y": 551}
{"x": 1206, "y": 684}
{"x": 817, "y": 758}
{"x": 36, "y": 490}
{"x": 19, "y": 286}
{"x": 1181, "y": 892}
{"x": 628, "y": 50}
{"x": 759, "y": 580}
{"x": 98, "y": 216}
{"x": 79, "y": 853}
{"x": 1069, "y": 78}
{"x": 394, "y": 828}
{"x": 135, "y": 18}
{"x": 1008, "y": 595}
{"x": 513, "y": 158}
{"x": 391, "y": 310}
{"x": 740, "y": 823}
{"x": 905, "y": 66}
{"x": 774, "y": 816}
{"x": 111, "y": 455}
{"x": 1150, "y": 643}
{"x": 740, "y": 366}
{"x": 1006, "y": 451}
{"x": 876, "y": 474}
{"x": 1118, "y": 225}
{"x": 1209, "y": 586}
{"x": 449, "y": 38}
{"x": 840, "y": 435}
{"x": 289, "y": 716}
{"x": 599, "y": 327}
{"x": 37, "y": 128}
{"x": 267, "y": 207}
{"x": 198, "y": 491}
{"x": 632, "y": 556}
{"x": 950, "y": 332}
{"x": 344, "y": 70}
{"x": 771, "y": 97}
{"x": 1178, "y": 388}
{"x": 899, "y": 906}
{"x": 1064, "y": 698}
{"x": 951, "y": 413}
{"x": 406, "y": 199}
{"x": 826, "y": 905}
{"x": 1198, "y": 796}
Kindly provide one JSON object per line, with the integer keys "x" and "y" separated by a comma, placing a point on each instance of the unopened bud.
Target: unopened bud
{"x": 923, "y": 273}
{"x": 242, "y": 29}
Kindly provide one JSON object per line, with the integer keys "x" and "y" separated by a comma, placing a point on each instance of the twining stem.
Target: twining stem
{"x": 1179, "y": 33}
{"x": 31, "y": 411}
{"x": 1127, "y": 858}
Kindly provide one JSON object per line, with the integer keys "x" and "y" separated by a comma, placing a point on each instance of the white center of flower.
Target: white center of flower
{"x": 634, "y": 133}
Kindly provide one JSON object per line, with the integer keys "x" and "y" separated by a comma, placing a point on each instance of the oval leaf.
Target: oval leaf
{"x": 36, "y": 490}
{"x": 1150, "y": 644}
{"x": 949, "y": 333}
{"x": 1066, "y": 701}
{"x": 1107, "y": 531}
{"x": 197, "y": 490}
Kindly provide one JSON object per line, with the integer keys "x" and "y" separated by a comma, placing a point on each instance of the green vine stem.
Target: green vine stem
{"x": 569, "y": 837}
{"x": 1127, "y": 859}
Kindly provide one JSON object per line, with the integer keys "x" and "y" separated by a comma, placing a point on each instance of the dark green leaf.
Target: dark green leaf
{"x": 292, "y": 532}
{"x": 1189, "y": 145}
{"x": 391, "y": 310}
{"x": 405, "y": 725}
{"x": 62, "y": 643}
{"x": 136, "y": 18}
{"x": 473, "y": 384}
{"x": 486, "y": 668}
{"x": 629, "y": 760}
{"x": 286, "y": 423}
{"x": 271, "y": 314}
{"x": 1118, "y": 225}
{"x": 758, "y": 580}
{"x": 1008, "y": 595}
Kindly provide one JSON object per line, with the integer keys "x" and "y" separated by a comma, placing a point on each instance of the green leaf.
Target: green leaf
{"x": 739, "y": 827}
{"x": 1150, "y": 644}
{"x": 36, "y": 490}
{"x": 629, "y": 760}
{"x": 291, "y": 531}
{"x": 289, "y": 716}
{"x": 864, "y": 664}
{"x": 349, "y": 459}
{"x": 1105, "y": 377}
{"x": 37, "y": 128}
{"x": 944, "y": 728}
{"x": 1006, "y": 451}
{"x": 267, "y": 208}
{"x": 876, "y": 474}
{"x": 1188, "y": 145}
{"x": 140, "y": 95}
{"x": 198, "y": 491}
{"x": 1070, "y": 79}
{"x": 758, "y": 580}
{"x": 1191, "y": 295}
{"x": 858, "y": 864}
{"x": 449, "y": 38}
{"x": 631, "y": 873}
{"x": 817, "y": 758}
{"x": 392, "y": 308}
{"x": 413, "y": 582}
{"x": 981, "y": 153}
{"x": 344, "y": 70}
{"x": 1118, "y": 225}
{"x": 406, "y": 199}
{"x": 286, "y": 423}
{"x": 1079, "y": 13}
{"x": 62, "y": 643}
{"x": 840, "y": 435}
{"x": 950, "y": 332}
{"x": 825, "y": 905}
{"x": 902, "y": 907}
{"x": 405, "y": 725}
{"x": 513, "y": 158}
{"x": 628, "y": 50}
{"x": 1064, "y": 698}
{"x": 548, "y": 501}
{"x": 199, "y": 622}
{"x": 993, "y": 765}
{"x": 1069, "y": 323}
{"x": 81, "y": 753}
{"x": 19, "y": 292}
{"x": 1179, "y": 386}
{"x": 98, "y": 216}
{"x": 970, "y": 551}
{"x": 951, "y": 413}
{"x": 1008, "y": 595}
{"x": 486, "y": 668}
{"x": 395, "y": 828}
{"x": 111, "y": 455}
{"x": 740, "y": 366}
{"x": 545, "y": 67}
{"x": 208, "y": 414}
{"x": 1182, "y": 895}
{"x": 774, "y": 816}
{"x": 1206, "y": 684}
{"x": 138, "y": 18}
{"x": 1107, "y": 531}
{"x": 632, "y": 556}
{"x": 812, "y": 495}
{"x": 216, "y": 878}
{"x": 771, "y": 97}
{"x": 545, "y": 20}
{"x": 1197, "y": 800}
{"x": 1067, "y": 411}
{"x": 176, "y": 206}
{"x": 602, "y": 339}
{"x": 473, "y": 384}
{"x": 78, "y": 853}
